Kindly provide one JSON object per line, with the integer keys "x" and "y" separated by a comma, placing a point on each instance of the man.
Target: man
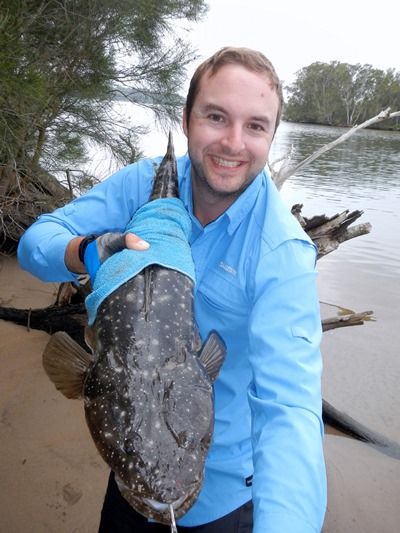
{"x": 255, "y": 285}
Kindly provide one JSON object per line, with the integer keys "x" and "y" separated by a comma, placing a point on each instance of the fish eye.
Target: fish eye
{"x": 128, "y": 446}
{"x": 185, "y": 440}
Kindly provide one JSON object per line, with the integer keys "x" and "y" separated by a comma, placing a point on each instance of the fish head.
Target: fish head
{"x": 153, "y": 428}
{"x": 161, "y": 462}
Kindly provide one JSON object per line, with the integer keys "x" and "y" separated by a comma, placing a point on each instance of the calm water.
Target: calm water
{"x": 361, "y": 363}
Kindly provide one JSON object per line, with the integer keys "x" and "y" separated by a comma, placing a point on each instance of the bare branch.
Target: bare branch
{"x": 352, "y": 319}
{"x": 287, "y": 169}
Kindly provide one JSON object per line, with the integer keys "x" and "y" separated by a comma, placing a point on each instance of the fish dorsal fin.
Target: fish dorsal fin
{"x": 212, "y": 355}
{"x": 66, "y": 363}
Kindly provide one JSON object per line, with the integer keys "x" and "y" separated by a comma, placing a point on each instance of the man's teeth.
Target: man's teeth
{"x": 225, "y": 163}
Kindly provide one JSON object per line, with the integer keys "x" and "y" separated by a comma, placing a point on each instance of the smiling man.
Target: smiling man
{"x": 230, "y": 127}
{"x": 255, "y": 285}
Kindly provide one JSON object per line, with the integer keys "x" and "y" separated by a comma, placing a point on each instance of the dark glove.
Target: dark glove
{"x": 93, "y": 251}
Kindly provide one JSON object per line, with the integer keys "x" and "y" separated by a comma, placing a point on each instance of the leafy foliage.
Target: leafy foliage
{"x": 62, "y": 63}
{"x": 341, "y": 94}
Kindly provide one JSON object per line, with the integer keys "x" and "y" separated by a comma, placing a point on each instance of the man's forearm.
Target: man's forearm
{"x": 71, "y": 257}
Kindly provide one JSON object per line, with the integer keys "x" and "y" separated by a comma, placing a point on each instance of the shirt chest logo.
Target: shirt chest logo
{"x": 227, "y": 268}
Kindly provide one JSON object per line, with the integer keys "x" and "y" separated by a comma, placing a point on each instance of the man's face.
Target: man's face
{"x": 230, "y": 130}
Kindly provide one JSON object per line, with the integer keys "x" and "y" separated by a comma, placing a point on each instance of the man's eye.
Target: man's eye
{"x": 214, "y": 117}
{"x": 256, "y": 127}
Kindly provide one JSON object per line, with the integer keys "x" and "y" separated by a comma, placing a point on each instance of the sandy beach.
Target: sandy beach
{"x": 52, "y": 479}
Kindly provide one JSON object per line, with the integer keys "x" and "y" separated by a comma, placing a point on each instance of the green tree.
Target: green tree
{"x": 387, "y": 94}
{"x": 62, "y": 64}
{"x": 313, "y": 97}
{"x": 341, "y": 94}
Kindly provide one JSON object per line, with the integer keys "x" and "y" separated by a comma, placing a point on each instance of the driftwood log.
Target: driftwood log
{"x": 68, "y": 314}
{"x": 328, "y": 233}
{"x": 70, "y": 318}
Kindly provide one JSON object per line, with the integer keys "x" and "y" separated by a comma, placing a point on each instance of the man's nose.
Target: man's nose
{"x": 233, "y": 140}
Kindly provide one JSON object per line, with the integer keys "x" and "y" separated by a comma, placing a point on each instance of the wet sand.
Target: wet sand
{"x": 52, "y": 479}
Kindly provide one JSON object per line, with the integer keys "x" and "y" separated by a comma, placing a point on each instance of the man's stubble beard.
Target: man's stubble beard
{"x": 200, "y": 178}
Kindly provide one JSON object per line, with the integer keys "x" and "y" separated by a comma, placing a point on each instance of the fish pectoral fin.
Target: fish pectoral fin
{"x": 90, "y": 337}
{"x": 66, "y": 363}
{"x": 212, "y": 355}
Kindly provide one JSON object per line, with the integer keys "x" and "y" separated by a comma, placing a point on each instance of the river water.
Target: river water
{"x": 361, "y": 363}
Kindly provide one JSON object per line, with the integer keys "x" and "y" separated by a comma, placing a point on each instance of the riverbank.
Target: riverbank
{"x": 53, "y": 480}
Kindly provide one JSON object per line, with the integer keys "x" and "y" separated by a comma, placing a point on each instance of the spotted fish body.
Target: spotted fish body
{"x": 148, "y": 392}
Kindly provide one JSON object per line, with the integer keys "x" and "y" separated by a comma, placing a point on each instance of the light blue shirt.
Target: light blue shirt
{"x": 255, "y": 272}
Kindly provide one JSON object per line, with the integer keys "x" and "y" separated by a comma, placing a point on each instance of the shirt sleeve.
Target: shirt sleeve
{"x": 289, "y": 483}
{"x": 107, "y": 207}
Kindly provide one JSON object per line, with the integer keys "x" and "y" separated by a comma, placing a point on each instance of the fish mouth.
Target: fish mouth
{"x": 161, "y": 507}
{"x": 159, "y": 510}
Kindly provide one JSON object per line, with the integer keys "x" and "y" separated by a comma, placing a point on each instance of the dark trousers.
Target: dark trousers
{"x": 117, "y": 516}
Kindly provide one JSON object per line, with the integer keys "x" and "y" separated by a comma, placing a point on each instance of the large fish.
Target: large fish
{"x": 147, "y": 388}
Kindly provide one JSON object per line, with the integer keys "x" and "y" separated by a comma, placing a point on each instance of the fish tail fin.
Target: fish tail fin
{"x": 66, "y": 363}
{"x": 212, "y": 355}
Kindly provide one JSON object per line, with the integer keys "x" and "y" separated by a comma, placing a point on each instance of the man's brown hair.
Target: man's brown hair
{"x": 250, "y": 59}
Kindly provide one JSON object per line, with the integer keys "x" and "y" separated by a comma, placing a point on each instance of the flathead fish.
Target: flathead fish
{"x": 147, "y": 387}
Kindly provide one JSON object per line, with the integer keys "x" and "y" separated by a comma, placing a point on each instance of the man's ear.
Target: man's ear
{"x": 184, "y": 122}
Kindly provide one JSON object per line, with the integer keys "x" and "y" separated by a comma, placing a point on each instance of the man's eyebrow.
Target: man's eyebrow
{"x": 206, "y": 108}
{"x": 213, "y": 107}
{"x": 261, "y": 118}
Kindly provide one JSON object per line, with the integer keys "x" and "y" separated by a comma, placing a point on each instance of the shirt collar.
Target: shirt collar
{"x": 242, "y": 205}
{"x": 236, "y": 212}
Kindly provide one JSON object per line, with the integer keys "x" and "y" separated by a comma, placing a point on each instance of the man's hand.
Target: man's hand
{"x": 101, "y": 248}
{"x": 88, "y": 253}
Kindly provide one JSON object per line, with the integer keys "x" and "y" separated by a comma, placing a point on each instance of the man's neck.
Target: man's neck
{"x": 207, "y": 207}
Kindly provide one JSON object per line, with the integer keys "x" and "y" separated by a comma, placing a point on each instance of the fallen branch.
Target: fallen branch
{"x": 352, "y": 319}
{"x": 287, "y": 169}
{"x": 351, "y": 427}
{"x": 70, "y": 318}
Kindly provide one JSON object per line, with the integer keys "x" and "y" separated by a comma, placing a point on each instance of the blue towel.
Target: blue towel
{"x": 166, "y": 226}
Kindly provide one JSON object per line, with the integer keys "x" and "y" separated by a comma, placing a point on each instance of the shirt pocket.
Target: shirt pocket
{"x": 223, "y": 293}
